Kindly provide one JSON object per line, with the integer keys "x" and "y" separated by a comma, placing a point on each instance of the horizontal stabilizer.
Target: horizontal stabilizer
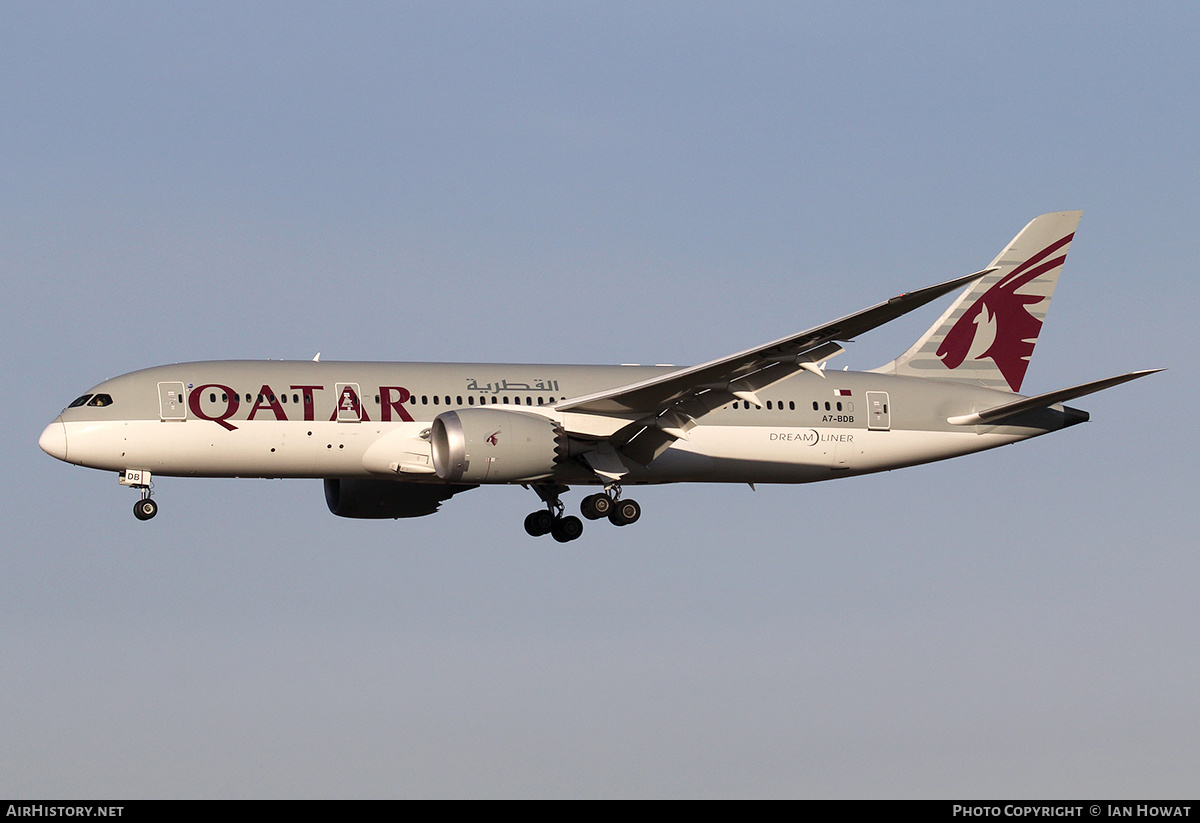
{"x": 1041, "y": 401}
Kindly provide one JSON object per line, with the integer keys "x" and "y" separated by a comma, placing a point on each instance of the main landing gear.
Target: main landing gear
{"x": 594, "y": 507}
{"x": 551, "y": 520}
{"x": 619, "y": 512}
{"x": 145, "y": 508}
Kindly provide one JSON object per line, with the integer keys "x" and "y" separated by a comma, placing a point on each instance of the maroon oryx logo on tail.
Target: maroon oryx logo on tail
{"x": 1005, "y": 310}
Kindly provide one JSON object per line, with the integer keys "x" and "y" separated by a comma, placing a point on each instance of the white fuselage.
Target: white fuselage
{"x": 295, "y": 419}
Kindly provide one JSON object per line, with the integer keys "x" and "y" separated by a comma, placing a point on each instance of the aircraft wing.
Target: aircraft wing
{"x": 671, "y": 402}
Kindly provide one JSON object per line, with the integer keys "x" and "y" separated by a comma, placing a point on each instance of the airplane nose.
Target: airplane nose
{"x": 54, "y": 440}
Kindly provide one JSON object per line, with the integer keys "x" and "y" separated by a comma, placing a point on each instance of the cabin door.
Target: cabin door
{"x": 879, "y": 416}
{"x": 172, "y": 405}
{"x": 349, "y": 403}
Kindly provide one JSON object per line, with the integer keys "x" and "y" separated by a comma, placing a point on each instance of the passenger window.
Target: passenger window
{"x": 791, "y": 405}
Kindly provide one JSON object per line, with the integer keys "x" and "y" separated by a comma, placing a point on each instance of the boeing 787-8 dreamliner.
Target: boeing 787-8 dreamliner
{"x": 394, "y": 440}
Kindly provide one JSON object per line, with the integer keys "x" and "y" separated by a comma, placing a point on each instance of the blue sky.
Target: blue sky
{"x": 598, "y": 183}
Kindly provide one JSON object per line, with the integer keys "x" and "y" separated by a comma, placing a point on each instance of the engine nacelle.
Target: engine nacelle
{"x": 495, "y": 446}
{"x": 390, "y": 499}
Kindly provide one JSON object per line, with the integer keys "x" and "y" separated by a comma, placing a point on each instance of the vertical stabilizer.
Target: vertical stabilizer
{"x": 987, "y": 335}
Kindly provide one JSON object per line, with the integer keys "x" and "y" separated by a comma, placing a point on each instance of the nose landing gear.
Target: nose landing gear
{"x": 145, "y": 508}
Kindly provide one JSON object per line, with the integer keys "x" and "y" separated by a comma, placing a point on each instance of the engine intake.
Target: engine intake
{"x": 495, "y": 446}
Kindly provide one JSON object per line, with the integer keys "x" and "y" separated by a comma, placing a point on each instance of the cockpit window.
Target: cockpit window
{"x": 80, "y": 401}
{"x": 101, "y": 400}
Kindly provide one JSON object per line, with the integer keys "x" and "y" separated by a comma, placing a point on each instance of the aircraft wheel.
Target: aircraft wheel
{"x": 596, "y": 506}
{"x": 145, "y": 508}
{"x": 538, "y": 523}
{"x": 567, "y": 528}
{"x": 624, "y": 513}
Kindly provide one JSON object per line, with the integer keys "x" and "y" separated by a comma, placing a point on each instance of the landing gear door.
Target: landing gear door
{"x": 879, "y": 416}
{"x": 349, "y": 404}
{"x": 172, "y": 405}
